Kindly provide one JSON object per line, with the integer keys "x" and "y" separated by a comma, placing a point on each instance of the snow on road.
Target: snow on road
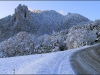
{"x": 48, "y": 63}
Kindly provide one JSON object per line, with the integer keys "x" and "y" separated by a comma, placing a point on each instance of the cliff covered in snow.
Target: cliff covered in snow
{"x": 37, "y": 22}
{"x": 35, "y": 31}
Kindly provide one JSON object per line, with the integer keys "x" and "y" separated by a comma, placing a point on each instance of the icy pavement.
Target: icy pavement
{"x": 48, "y": 63}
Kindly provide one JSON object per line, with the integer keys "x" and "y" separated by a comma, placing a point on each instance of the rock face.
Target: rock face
{"x": 21, "y": 12}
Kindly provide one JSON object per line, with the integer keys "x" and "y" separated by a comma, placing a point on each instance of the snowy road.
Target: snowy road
{"x": 86, "y": 61}
{"x": 48, "y": 63}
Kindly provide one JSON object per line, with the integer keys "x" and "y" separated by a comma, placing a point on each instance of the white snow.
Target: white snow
{"x": 48, "y": 63}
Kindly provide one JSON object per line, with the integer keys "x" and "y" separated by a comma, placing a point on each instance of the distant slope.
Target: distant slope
{"x": 37, "y": 22}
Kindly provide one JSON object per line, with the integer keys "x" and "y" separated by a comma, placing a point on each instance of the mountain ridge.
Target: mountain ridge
{"x": 27, "y": 32}
{"x": 41, "y": 23}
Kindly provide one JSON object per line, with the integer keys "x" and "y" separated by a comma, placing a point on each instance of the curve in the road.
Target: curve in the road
{"x": 86, "y": 61}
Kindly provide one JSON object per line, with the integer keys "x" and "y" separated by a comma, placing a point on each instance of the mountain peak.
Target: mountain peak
{"x": 21, "y": 8}
{"x": 21, "y": 12}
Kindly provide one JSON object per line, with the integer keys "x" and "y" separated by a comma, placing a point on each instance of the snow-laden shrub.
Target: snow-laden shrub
{"x": 79, "y": 36}
{"x": 49, "y": 43}
{"x": 20, "y": 44}
{"x": 24, "y": 43}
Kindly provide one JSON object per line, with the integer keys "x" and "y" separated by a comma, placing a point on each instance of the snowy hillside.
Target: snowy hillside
{"x": 49, "y": 63}
{"x": 47, "y": 42}
{"x": 37, "y": 22}
{"x": 29, "y": 32}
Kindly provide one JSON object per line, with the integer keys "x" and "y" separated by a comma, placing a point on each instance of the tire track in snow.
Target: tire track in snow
{"x": 65, "y": 59}
{"x": 58, "y": 66}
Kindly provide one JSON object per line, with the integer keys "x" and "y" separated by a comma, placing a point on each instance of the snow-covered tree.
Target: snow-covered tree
{"x": 20, "y": 44}
{"x": 79, "y": 36}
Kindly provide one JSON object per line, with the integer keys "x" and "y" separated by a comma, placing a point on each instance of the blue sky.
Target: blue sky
{"x": 89, "y": 9}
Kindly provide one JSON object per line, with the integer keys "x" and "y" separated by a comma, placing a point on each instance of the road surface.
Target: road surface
{"x": 86, "y": 61}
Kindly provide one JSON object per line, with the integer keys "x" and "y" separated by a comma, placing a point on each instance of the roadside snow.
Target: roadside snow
{"x": 48, "y": 63}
